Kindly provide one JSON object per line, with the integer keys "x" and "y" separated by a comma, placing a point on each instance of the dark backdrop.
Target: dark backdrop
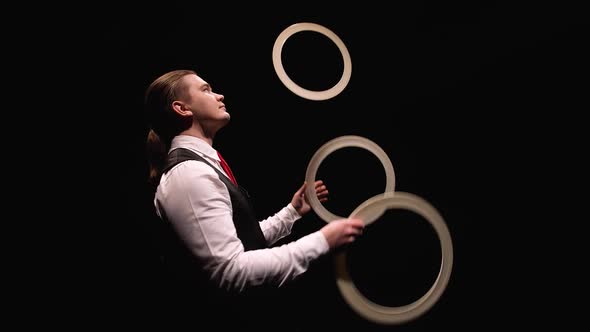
{"x": 478, "y": 106}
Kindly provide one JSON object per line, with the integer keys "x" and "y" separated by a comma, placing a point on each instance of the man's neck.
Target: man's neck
{"x": 199, "y": 134}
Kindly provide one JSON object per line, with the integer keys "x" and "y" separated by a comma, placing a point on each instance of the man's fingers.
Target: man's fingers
{"x": 302, "y": 188}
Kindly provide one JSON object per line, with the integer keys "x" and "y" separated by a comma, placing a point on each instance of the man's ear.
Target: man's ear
{"x": 181, "y": 109}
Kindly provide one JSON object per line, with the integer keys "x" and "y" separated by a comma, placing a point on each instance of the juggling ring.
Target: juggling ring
{"x": 294, "y": 87}
{"x": 369, "y": 211}
{"x": 331, "y": 146}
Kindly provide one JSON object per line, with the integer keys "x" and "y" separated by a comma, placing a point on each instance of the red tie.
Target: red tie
{"x": 227, "y": 170}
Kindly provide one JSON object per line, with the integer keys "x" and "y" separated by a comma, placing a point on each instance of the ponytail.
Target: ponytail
{"x": 156, "y": 150}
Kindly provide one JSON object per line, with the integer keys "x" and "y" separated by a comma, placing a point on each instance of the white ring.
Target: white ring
{"x": 331, "y": 146}
{"x": 280, "y": 70}
{"x": 397, "y": 315}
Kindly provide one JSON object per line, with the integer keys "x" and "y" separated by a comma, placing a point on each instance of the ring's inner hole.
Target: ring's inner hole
{"x": 312, "y": 60}
{"x": 397, "y": 260}
{"x": 352, "y": 175}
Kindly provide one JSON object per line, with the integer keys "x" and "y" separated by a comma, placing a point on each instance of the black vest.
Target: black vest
{"x": 191, "y": 296}
{"x": 244, "y": 218}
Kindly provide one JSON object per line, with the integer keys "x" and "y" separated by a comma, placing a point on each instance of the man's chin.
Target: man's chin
{"x": 225, "y": 119}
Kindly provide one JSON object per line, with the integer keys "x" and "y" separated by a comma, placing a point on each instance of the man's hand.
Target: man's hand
{"x": 300, "y": 202}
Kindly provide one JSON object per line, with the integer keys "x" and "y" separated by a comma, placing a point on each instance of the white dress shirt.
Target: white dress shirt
{"x": 197, "y": 203}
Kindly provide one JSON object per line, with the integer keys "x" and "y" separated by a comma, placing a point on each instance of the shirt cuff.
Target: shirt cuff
{"x": 293, "y": 212}
{"x": 322, "y": 244}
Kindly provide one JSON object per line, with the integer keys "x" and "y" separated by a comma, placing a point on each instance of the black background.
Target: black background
{"x": 478, "y": 105}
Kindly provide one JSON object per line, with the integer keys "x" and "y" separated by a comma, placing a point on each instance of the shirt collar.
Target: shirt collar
{"x": 195, "y": 144}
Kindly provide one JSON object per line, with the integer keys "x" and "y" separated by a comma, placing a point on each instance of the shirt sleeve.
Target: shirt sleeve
{"x": 280, "y": 224}
{"x": 198, "y": 205}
